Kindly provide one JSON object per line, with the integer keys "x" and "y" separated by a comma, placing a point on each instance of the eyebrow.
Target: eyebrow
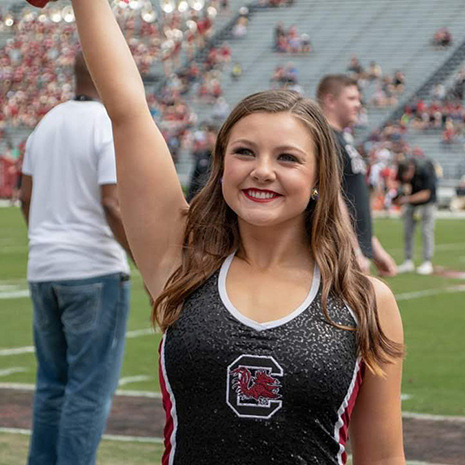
{"x": 280, "y": 147}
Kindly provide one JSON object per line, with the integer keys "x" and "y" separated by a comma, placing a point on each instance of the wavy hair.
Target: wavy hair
{"x": 212, "y": 232}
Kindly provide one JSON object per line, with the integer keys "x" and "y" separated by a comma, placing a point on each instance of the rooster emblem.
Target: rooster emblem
{"x": 254, "y": 386}
{"x": 262, "y": 387}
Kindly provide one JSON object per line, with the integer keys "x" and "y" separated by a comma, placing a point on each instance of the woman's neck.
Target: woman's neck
{"x": 268, "y": 247}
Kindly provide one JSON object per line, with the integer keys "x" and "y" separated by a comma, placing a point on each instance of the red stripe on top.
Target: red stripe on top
{"x": 167, "y": 405}
{"x": 345, "y": 417}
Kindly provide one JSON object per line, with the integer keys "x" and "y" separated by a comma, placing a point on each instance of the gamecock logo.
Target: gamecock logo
{"x": 253, "y": 387}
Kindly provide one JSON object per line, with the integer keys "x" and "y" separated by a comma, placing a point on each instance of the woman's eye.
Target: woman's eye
{"x": 243, "y": 151}
{"x": 287, "y": 157}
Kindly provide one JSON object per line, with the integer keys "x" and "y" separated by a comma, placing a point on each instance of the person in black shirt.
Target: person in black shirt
{"x": 418, "y": 194}
{"x": 457, "y": 202}
{"x": 202, "y": 166}
{"x": 339, "y": 98}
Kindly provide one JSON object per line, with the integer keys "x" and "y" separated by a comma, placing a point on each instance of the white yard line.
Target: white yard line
{"x": 114, "y": 437}
{"x": 133, "y": 379}
{"x": 108, "y": 437}
{"x": 119, "y": 392}
{"x": 426, "y": 416}
{"x": 148, "y": 394}
{"x": 18, "y": 386}
{"x": 409, "y": 462}
{"x": 30, "y": 349}
{"x": 14, "y": 294}
{"x": 10, "y": 371}
{"x": 17, "y": 351}
{"x": 141, "y": 332}
{"x": 430, "y": 292}
{"x": 4, "y": 286}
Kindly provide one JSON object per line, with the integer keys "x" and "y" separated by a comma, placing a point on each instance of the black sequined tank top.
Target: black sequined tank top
{"x": 240, "y": 392}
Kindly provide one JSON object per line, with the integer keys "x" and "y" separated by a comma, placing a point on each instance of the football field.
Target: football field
{"x": 432, "y": 307}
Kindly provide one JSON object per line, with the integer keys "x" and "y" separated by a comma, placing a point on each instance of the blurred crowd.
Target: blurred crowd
{"x": 290, "y": 40}
{"x": 286, "y": 77}
{"x": 444, "y": 112}
{"x": 35, "y": 63}
{"x": 388, "y": 87}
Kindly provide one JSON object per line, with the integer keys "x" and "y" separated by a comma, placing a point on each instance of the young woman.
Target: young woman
{"x": 273, "y": 338}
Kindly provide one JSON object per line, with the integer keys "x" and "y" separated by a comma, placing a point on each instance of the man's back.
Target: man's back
{"x": 355, "y": 191}
{"x": 70, "y": 155}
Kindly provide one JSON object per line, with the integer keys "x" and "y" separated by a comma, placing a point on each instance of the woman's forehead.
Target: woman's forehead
{"x": 272, "y": 127}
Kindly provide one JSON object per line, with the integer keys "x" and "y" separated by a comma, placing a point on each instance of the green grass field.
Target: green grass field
{"x": 433, "y": 371}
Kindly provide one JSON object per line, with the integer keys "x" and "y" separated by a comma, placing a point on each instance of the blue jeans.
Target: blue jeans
{"x": 79, "y": 334}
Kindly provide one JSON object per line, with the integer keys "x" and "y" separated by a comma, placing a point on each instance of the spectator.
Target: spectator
{"x": 355, "y": 68}
{"x": 339, "y": 98}
{"x": 78, "y": 275}
{"x": 239, "y": 30}
{"x": 221, "y": 109}
{"x": 439, "y": 92}
{"x": 418, "y": 195}
{"x": 279, "y": 34}
{"x": 236, "y": 71}
{"x": 374, "y": 71}
{"x": 398, "y": 81}
{"x": 290, "y": 41}
{"x": 203, "y": 157}
{"x": 458, "y": 201}
{"x": 442, "y": 37}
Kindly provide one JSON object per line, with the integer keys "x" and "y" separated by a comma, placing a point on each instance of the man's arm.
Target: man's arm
{"x": 384, "y": 263}
{"x": 419, "y": 197}
{"x": 25, "y": 196}
{"x": 363, "y": 261}
{"x": 111, "y": 208}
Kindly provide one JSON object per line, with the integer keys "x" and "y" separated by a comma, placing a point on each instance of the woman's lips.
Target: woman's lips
{"x": 260, "y": 195}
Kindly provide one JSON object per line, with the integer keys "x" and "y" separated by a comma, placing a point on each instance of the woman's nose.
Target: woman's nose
{"x": 263, "y": 170}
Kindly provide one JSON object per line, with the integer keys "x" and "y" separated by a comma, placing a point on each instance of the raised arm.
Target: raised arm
{"x": 152, "y": 202}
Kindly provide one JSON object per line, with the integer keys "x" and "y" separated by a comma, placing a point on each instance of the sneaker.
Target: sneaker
{"x": 425, "y": 268}
{"x": 406, "y": 267}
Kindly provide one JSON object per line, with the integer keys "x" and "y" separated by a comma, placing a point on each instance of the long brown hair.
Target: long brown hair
{"x": 212, "y": 232}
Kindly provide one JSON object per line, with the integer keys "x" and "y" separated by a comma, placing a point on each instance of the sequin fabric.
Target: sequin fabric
{"x": 235, "y": 406}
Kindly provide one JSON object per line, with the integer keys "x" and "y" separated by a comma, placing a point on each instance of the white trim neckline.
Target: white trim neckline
{"x": 268, "y": 324}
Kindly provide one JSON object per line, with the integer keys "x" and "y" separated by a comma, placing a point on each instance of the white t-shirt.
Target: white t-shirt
{"x": 69, "y": 156}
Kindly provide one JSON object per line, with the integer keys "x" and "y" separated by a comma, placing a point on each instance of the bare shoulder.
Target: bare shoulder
{"x": 388, "y": 311}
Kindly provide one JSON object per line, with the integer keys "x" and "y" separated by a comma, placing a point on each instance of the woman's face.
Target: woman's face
{"x": 269, "y": 169}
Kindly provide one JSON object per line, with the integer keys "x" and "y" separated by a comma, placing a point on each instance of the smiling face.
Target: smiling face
{"x": 269, "y": 169}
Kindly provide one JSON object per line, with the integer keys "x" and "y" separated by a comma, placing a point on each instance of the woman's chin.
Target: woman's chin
{"x": 259, "y": 220}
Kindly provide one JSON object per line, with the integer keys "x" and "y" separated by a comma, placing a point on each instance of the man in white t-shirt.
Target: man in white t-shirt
{"x": 78, "y": 275}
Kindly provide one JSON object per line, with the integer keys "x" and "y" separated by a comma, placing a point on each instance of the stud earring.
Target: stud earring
{"x": 315, "y": 194}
